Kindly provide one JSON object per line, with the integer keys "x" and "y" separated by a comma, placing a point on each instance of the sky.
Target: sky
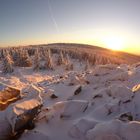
{"x": 106, "y": 23}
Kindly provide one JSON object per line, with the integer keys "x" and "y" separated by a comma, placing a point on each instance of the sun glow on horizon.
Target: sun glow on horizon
{"x": 114, "y": 43}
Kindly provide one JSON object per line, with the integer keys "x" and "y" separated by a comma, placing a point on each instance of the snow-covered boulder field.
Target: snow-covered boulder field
{"x": 99, "y": 103}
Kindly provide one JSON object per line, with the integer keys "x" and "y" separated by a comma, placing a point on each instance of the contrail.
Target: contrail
{"x": 52, "y": 16}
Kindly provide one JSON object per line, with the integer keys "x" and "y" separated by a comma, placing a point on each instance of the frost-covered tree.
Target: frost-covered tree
{"x": 61, "y": 60}
{"x": 36, "y": 60}
{"x": 42, "y": 62}
{"x": 16, "y": 56}
{"x": 2, "y": 52}
{"x": 93, "y": 61}
{"x": 87, "y": 65}
{"x": 7, "y": 64}
{"x": 104, "y": 60}
{"x": 25, "y": 60}
{"x": 49, "y": 61}
{"x": 69, "y": 65}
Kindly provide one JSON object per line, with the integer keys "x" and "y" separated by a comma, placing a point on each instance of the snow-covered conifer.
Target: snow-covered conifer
{"x": 61, "y": 60}
{"x": 36, "y": 60}
{"x": 49, "y": 61}
{"x": 25, "y": 60}
{"x": 69, "y": 65}
{"x": 7, "y": 63}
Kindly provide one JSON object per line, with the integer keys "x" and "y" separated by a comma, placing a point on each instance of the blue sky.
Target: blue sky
{"x": 83, "y": 21}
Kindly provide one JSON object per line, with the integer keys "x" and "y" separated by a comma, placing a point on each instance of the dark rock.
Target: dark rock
{"x": 87, "y": 82}
{"x": 53, "y": 96}
{"x": 126, "y": 117}
{"x": 97, "y": 96}
{"x": 127, "y": 101}
{"x": 78, "y": 90}
{"x": 71, "y": 84}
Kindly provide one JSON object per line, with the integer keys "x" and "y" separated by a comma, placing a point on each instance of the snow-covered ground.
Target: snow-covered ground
{"x": 99, "y": 103}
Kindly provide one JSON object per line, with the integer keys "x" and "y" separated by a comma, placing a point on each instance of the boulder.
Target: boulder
{"x": 73, "y": 108}
{"x": 21, "y": 114}
{"x": 80, "y": 128}
{"x": 120, "y": 92}
{"x": 8, "y": 95}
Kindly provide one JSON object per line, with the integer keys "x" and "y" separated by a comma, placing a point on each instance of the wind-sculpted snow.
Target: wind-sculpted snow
{"x": 102, "y": 103}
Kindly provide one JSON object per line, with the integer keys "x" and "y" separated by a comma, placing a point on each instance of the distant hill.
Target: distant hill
{"x": 123, "y": 56}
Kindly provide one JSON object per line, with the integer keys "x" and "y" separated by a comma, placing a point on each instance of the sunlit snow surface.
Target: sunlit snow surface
{"x": 106, "y": 108}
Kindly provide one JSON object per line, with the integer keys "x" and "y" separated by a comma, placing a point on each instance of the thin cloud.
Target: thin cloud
{"x": 52, "y": 16}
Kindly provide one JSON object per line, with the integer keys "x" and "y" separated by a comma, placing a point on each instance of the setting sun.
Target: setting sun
{"x": 113, "y": 43}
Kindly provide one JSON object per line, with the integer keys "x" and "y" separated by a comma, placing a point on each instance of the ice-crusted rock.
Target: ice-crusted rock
{"x": 120, "y": 76}
{"x": 21, "y": 113}
{"x": 120, "y": 92}
{"x": 100, "y": 98}
{"x": 76, "y": 79}
{"x": 80, "y": 128}
{"x": 105, "y": 111}
{"x": 72, "y": 80}
{"x": 101, "y": 70}
{"x": 92, "y": 79}
{"x": 136, "y": 102}
{"x": 18, "y": 116}
{"x": 137, "y": 67}
{"x": 109, "y": 103}
{"x": 124, "y": 67}
{"x": 136, "y": 88}
{"x": 8, "y": 95}
{"x": 130, "y": 131}
{"x": 74, "y": 107}
{"x": 31, "y": 91}
{"x": 115, "y": 130}
{"x": 106, "y": 74}
{"x": 102, "y": 131}
{"x": 101, "y": 93}
{"x": 64, "y": 110}
{"x": 34, "y": 135}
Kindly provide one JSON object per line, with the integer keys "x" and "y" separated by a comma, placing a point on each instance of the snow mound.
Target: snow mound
{"x": 64, "y": 110}
{"x": 120, "y": 92}
{"x": 34, "y": 135}
{"x": 102, "y": 130}
{"x": 5, "y": 129}
{"x": 115, "y": 130}
{"x": 80, "y": 128}
{"x": 73, "y": 108}
{"x": 101, "y": 70}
